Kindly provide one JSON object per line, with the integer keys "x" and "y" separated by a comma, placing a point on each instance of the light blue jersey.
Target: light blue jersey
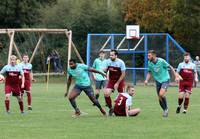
{"x": 80, "y": 75}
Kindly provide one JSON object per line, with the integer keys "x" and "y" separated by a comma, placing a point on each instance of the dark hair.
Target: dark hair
{"x": 186, "y": 54}
{"x": 72, "y": 60}
{"x": 25, "y": 54}
{"x": 152, "y": 52}
{"x": 101, "y": 51}
{"x": 115, "y": 51}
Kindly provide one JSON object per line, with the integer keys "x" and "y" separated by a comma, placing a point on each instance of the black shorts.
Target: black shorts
{"x": 87, "y": 89}
{"x": 163, "y": 85}
{"x": 100, "y": 84}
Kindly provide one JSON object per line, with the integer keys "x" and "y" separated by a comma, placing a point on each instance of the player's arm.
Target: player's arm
{"x": 32, "y": 78}
{"x": 96, "y": 71}
{"x": 69, "y": 80}
{"x": 176, "y": 74}
{"x": 127, "y": 109}
{"x": 195, "y": 74}
{"x": 121, "y": 77}
{"x": 23, "y": 80}
{"x": 147, "y": 78}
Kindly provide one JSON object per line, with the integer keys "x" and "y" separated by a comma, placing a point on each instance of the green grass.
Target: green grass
{"x": 51, "y": 118}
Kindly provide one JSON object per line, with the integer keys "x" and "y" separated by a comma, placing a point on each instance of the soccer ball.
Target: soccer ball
{"x": 1, "y": 78}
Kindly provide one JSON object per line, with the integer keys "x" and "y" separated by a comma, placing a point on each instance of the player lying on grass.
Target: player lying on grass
{"x": 123, "y": 103}
{"x": 158, "y": 68}
{"x": 188, "y": 72}
{"x": 12, "y": 83}
{"x": 79, "y": 72}
{"x": 28, "y": 75}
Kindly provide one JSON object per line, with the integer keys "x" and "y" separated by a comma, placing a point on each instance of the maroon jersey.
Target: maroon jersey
{"x": 115, "y": 68}
{"x": 122, "y": 100}
{"x": 187, "y": 70}
{"x": 27, "y": 68}
{"x": 12, "y": 74}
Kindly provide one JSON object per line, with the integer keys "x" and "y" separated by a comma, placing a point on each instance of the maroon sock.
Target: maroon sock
{"x": 108, "y": 101}
{"x": 180, "y": 101}
{"x": 186, "y": 103}
{"x": 21, "y": 106}
{"x": 29, "y": 98}
{"x": 7, "y": 105}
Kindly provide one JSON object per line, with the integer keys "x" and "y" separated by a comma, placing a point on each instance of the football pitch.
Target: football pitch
{"x": 51, "y": 117}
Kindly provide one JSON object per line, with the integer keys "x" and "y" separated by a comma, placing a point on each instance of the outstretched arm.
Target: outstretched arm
{"x": 176, "y": 74}
{"x": 96, "y": 71}
{"x": 69, "y": 80}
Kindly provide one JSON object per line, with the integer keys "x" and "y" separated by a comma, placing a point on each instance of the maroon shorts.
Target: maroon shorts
{"x": 111, "y": 84}
{"x": 15, "y": 89}
{"x": 117, "y": 112}
{"x": 185, "y": 86}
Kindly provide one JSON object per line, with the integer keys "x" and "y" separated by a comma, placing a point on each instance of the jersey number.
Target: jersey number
{"x": 120, "y": 101}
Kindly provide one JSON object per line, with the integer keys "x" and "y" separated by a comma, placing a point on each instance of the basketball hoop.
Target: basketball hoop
{"x": 132, "y": 32}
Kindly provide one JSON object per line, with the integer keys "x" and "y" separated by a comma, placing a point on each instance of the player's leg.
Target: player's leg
{"x": 121, "y": 87}
{"x": 134, "y": 112}
{"x": 28, "y": 92}
{"x": 158, "y": 88}
{"x": 20, "y": 101}
{"x": 162, "y": 97}
{"x": 107, "y": 93}
{"x": 186, "y": 102}
{"x": 7, "y": 102}
{"x": 8, "y": 91}
{"x": 75, "y": 92}
{"x": 98, "y": 87}
{"x": 180, "y": 101}
{"x": 89, "y": 92}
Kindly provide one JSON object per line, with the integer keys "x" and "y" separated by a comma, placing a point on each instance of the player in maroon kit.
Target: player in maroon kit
{"x": 12, "y": 83}
{"x": 123, "y": 103}
{"x": 28, "y": 75}
{"x": 188, "y": 72}
{"x": 116, "y": 71}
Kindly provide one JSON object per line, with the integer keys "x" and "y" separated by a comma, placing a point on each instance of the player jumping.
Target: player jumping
{"x": 79, "y": 72}
{"x": 123, "y": 103}
{"x": 12, "y": 83}
{"x": 158, "y": 68}
{"x": 188, "y": 72}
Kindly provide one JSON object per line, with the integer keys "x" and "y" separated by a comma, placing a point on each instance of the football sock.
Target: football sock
{"x": 164, "y": 100}
{"x": 95, "y": 101}
{"x": 21, "y": 106}
{"x": 108, "y": 101}
{"x": 161, "y": 104}
{"x": 180, "y": 101}
{"x": 7, "y": 105}
{"x": 73, "y": 103}
{"x": 29, "y": 98}
{"x": 186, "y": 103}
{"x": 97, "y": 96}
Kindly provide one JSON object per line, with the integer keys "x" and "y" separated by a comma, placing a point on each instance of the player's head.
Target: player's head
{"x": 197, "y": 58}
{"x": 130, "y": 89}
{"x": 151, "y": 55}
{"x": 72, "y": 63}
{"x": 13, "y": 60}
{"x": 25, "y": 58}
{"x": 101, "y": 54}
{"x": 113, "y": 55}
{"x": 187, "y": 57}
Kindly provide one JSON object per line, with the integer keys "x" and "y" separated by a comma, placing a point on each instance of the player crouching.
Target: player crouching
{"x": 123, "y": 103}
{"x": 12, "y": 83}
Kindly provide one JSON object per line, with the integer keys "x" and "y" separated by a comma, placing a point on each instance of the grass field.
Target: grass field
{"x": 51, "y": 118}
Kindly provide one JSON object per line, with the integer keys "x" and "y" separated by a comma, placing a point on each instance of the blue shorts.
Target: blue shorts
{"x": 87, "y": 89}
{"x": 163, "y": 85}
{"x": 100, "y": 84}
